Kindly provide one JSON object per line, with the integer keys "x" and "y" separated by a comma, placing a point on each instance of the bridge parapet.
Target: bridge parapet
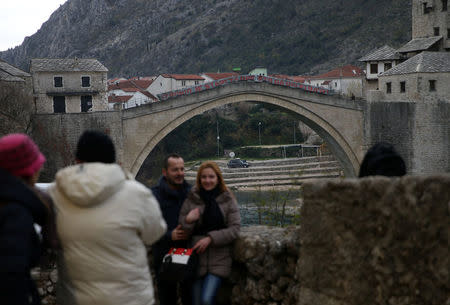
{"x": 244, "y": 78}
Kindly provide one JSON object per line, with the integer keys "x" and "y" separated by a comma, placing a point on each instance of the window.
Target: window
{"x": 387, "y": 66}
{"x": 85, "y": 81}
{"x": 335, "y": 84}
{"x": 432, "y": 83}
{"x": 86, "y": 103}
{"x": 373, "y": 68}
{"x": 427, "y": 8}
{"x": 402, "y": 86}
{"x": 183, "y": 83}
{"x": 196, "y": 82}
{"x": 444, "y": 5}
{"x": 436, "y": 31}
{"x": 448, "y": 33}
{"x": 388, "y": 87}
{"x": 59, "y": 104}
{"x": 58, "y": 81}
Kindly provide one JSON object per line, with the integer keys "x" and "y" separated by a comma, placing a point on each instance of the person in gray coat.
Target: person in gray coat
{"x": 211, "y": 215}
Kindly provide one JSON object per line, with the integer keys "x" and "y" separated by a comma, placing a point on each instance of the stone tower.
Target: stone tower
{"x": 431, "y": 18}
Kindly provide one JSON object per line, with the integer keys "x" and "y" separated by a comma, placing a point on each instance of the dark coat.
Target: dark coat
{"x": 20, "y": 246}
{"x": 217, "y": 257}
{"x": 170, "y": 202}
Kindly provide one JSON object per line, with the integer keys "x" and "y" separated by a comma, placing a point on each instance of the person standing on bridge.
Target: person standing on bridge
{"x": 171, "y": 191}
{"x": 211, "y": 214}
{"x": 104, "y": 219}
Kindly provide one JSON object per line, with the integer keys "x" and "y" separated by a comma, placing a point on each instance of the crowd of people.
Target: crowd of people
{"x": 100, "y": 221}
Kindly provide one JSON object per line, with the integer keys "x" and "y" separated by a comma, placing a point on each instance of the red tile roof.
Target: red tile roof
{"x": 183, "y": 76}
{"x": 119, "y": 99}
{"x": 298, "y": 79}
{"x": 142, "y": 83}
{"x": 345, "y": 71}
{"x": 137, "y": 84}
{"x": 218, "y": 75}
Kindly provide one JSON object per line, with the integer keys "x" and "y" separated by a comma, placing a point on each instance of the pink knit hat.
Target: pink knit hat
{"x": 19, "y": 155}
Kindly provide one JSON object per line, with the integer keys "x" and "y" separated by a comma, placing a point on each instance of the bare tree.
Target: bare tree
{"x": 16, "y": 107}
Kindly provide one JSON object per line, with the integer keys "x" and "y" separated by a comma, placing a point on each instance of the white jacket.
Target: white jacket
{"x": 103, "y": 220}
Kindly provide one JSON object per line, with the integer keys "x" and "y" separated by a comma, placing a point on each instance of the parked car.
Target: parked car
{"x": 237, "y": 163}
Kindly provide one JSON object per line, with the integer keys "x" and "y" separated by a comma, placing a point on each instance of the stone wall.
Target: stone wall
{"x": 57, "y": 136}
{"x": 375, "y": 241}
{"x": 369, "y": 241}
{"x": 420, "y": 131}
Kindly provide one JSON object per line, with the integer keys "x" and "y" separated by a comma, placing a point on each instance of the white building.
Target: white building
{"x": 129, "y": 93}
{"x": 346, "y": 80}
{"x": 378, "y": 62}
{"x": 170, "y": 82}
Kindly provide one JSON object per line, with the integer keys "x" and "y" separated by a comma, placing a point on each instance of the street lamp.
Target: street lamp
{"x": 259, "y": 132}
{"x": 294, "y": 133}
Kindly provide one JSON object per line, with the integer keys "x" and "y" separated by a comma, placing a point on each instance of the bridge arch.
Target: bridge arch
{"x": 344, "y": 151}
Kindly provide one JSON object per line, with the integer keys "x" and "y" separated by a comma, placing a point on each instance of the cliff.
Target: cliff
{"x": 148, "y": 37}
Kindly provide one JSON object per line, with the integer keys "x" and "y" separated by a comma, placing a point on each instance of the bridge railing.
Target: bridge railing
{"x": 243, "y": 78}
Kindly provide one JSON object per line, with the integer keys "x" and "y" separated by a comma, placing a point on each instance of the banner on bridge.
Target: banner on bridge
{"x": 239, "y": 78}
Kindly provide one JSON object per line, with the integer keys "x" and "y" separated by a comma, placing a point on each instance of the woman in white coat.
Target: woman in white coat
{"x": 104, "y": 219}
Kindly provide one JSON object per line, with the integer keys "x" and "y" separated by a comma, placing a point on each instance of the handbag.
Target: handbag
{"x": 179, "y": 264}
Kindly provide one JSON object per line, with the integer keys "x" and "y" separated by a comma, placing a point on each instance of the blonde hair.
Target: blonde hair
{"x": 212, "y": 165}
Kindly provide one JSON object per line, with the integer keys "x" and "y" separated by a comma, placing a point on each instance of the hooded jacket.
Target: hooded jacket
{"x": 104, "y": 220}
{"x": 217, "y": 257}
{"x": 20, "y": 247}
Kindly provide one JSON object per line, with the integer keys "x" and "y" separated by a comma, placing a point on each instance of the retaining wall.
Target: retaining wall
{"x": 368, "y": 241}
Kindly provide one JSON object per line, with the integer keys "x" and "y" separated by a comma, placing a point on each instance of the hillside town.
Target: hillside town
{"x": 419, "y": 69}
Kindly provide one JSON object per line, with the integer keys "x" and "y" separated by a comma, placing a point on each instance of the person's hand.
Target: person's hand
{"x": 202, "y": 244}
{"x": 179, "y": 234}
{"x": 193, "y": 215}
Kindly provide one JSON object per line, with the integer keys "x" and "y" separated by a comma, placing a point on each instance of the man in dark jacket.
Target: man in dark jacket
{"x": 171, "y": 191}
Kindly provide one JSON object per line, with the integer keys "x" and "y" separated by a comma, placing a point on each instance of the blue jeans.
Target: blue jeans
{"x": 205, "y": 289}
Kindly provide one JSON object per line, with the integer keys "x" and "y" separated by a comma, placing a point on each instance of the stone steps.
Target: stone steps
{"x": 279, "y": 172}
{"x": 274, "y": 170}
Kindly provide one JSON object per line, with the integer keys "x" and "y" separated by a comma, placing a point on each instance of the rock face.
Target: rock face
{"x": 141, "y": 37}
{"x": 265, "y": 266}
{"x": 370, "y": 241}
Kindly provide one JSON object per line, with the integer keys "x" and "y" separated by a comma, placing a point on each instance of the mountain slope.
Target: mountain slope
{"x": 148, "y": 37}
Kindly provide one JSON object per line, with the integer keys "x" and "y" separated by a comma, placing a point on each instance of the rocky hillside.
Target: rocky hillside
{"x": 148, "y": 37}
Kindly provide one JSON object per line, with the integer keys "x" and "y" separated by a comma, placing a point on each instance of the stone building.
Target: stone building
{"x": 424, "y": 76}
{"x": 16, "y": 100}
{"x": 69, "y": 85}
{"x": 377, "y": 62}
{"x": 392, "y": 71}
{"x": 431, "y": 19}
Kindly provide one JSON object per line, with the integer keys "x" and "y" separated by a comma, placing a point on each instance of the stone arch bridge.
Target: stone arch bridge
{"x": 340, "y": 122}
{"x": 420, "y": 130}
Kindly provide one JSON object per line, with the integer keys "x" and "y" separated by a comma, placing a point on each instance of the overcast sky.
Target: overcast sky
{"x": 21, "y": 18}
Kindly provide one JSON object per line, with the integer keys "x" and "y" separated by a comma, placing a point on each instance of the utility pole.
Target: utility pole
{"x": 218, "y": 137}
{"x": 294, "y": 132}
{"x": 259, "y": 133}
